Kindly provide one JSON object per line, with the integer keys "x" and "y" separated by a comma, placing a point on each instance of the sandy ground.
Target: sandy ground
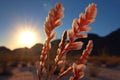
{"x": 30, "y": 74}
{"x": 21, "y": 74}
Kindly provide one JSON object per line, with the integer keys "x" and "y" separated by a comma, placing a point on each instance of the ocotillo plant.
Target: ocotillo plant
{"x": 67, "y": 43}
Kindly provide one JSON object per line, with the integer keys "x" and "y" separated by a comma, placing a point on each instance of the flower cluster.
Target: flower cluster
{"x": 52, "y": 21}
{"x": 79, "y": 67}
{"x": 79, "y": 26}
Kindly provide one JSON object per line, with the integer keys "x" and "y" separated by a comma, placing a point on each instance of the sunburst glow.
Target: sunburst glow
{"x": 27, "y": 38}
{"x": 27, "y": 35}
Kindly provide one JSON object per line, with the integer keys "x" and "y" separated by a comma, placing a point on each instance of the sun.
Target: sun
{"x": 27, "y": 34}
{"x": 27, "y": 38}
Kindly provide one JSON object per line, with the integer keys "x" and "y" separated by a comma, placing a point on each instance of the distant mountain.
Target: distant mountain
{"x": 4, "y": 50}
{"x": 109, "y": 45}
{"x": 36, "y": 49}
{"x": 21, "y": 50}
{"x": 112, "y": 42}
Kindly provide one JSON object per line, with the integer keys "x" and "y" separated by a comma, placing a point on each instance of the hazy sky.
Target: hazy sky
{"x": 15, "y": 14}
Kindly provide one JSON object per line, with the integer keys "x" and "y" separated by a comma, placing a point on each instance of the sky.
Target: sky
{"x": 17, "y": 15}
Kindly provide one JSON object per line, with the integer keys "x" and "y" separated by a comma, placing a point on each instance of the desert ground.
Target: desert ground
{"x": 29, "y": 73}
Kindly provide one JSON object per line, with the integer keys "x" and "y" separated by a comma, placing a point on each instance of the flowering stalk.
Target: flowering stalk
{"x": 81, "y": 62}
{"x": 52, "y": 21}
{"x": 78, "y": 71}
{"x": 61, "y": 47}
{"x": 78, "y": 26}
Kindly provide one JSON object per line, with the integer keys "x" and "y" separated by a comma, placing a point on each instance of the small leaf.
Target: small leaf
{"x": 58, "y": 23}
{"x": 90, "y": 12}
{"x": 81, "y": 35}
{"x": 71, "y": 35}
{"x": 85, "y": 29}
{"x": 74, "y": 46}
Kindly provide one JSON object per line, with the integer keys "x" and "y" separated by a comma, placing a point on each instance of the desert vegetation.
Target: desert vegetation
{"x": 79, "y": 25}
{"x": 54, "y": 60}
